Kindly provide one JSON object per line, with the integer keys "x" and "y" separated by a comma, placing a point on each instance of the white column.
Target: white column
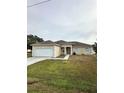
{"x": 65, "y": 50}
{"x": 71, "y": 50}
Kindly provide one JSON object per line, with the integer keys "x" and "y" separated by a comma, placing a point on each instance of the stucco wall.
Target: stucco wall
{"x": 80, "y": 51}
{"x": 57, "y": 51}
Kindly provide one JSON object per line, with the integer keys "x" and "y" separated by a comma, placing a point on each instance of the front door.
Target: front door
{"x": 68, "y": 50}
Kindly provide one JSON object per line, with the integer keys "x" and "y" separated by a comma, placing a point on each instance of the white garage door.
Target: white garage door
{"x": 43, "y": 52}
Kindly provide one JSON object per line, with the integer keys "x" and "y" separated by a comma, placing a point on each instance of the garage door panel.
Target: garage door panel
{"x": 43, "y": 52}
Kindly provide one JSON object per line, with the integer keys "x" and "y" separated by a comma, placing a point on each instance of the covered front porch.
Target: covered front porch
{"x": 66, "y": 50}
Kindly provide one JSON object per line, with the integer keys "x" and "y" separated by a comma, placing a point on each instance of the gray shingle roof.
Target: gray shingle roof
{"x": 80, "y": 44}
{"x": 48, "y": 42}
{"x": 62, "y": 42}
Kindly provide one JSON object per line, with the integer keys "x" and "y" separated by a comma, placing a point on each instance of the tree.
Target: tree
{"x": 95, "y": 47}
{"x": 31, "y": 39}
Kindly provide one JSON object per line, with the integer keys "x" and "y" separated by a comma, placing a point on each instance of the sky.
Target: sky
{"x": 70, "y": 20}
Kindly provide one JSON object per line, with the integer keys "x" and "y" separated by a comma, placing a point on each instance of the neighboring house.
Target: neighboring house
{"x": 54, "y": 49}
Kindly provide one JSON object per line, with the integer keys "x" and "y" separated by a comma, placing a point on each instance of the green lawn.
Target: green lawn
{"x": 78, "y": 75}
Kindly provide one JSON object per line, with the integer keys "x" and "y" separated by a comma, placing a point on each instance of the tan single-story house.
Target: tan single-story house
{"x": 55, "y": 49}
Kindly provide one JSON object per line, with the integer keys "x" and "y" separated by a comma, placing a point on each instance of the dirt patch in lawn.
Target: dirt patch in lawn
{"x": 32, "y": 81}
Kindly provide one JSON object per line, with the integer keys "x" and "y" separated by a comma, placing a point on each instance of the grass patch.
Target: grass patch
{"x": 78, "y": 75}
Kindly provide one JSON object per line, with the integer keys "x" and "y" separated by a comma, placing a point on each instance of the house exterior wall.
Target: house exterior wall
{"x": 89, "y": 51}
{"x": 81, "y": 50}
{"x": 54, "y": 51}
{"x": 57, "y": 51}
{"x": 78, "y": 51}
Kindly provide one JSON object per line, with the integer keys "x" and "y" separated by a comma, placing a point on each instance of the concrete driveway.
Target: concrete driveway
{"x": 33, "y": 60}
